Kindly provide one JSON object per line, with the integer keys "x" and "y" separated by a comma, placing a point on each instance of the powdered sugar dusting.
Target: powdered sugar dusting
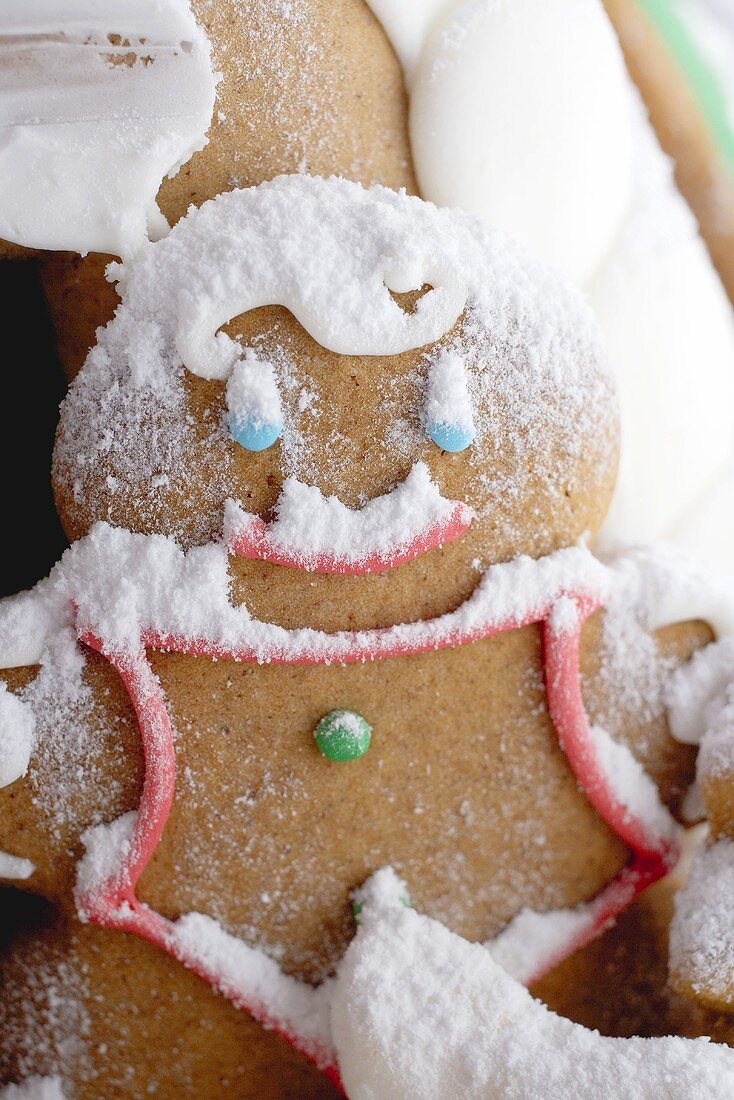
{"x": 106, "y": 846}
{"x": 697, "y": 690}
{"x": 632, "y": 786}
{"x": 44, "y": 1020}
{"x": 248, "y": 974}
{"x": 531, "y": 939}
{"x": 701, "y": 932}
{"x": 406, "y": 980}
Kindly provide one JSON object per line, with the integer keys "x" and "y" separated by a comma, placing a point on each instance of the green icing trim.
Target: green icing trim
{"x": 702, "y": 80}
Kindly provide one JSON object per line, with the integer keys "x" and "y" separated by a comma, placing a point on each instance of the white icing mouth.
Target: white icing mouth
{"x": 99, "y": 101}
{"x": 321, "y": 534}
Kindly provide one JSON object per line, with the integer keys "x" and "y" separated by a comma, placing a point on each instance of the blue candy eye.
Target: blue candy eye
{"x": 449, "y": 418}
{"x": 254, "y": 434}
{"x": 255, "y": 417}
{"x": 450, "y": 437}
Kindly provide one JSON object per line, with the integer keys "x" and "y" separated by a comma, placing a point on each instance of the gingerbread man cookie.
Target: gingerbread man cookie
{"x": 329, "y": 473}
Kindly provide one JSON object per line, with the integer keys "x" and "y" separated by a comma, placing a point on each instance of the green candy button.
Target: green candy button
{"x": 342, "y": 736}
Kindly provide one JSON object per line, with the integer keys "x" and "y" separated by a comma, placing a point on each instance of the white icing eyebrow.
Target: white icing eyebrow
{"x": 91, "y": 126}
{"x": 328, "y": 250}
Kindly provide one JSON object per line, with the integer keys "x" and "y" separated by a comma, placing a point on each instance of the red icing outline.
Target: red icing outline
{"x": 114, "y": 904}
{"x": 254, "y": 541}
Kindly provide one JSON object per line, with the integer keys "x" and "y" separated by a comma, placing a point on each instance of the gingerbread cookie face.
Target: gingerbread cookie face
{"x": 410, "y": 413}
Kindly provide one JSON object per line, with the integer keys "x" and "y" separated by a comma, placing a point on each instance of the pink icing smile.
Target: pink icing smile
{"x": 255, "y": 540}
{"x": 321, "y": 535}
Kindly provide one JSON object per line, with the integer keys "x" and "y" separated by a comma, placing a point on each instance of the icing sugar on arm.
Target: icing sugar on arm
{"x": 419, "y": 1012}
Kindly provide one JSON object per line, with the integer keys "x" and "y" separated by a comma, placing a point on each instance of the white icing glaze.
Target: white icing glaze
{"x": 702, "y": 931}
{"x": 531, "y": 938}
{"x": 34, "y": 1088}
{"x": 248, "y": 973}
{"x": 418, "y": 1012}
{"x": 698, "y": 689}
{"x": 662, "y": 585}
{"x": 87, "y": 138}
{"x": 633, "y": 787}
{"x": 519, "y": 113}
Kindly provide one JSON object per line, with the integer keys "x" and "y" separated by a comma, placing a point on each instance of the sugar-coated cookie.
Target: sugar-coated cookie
{"x": 330, "y": 726}
{"x": 329, "y": 473}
